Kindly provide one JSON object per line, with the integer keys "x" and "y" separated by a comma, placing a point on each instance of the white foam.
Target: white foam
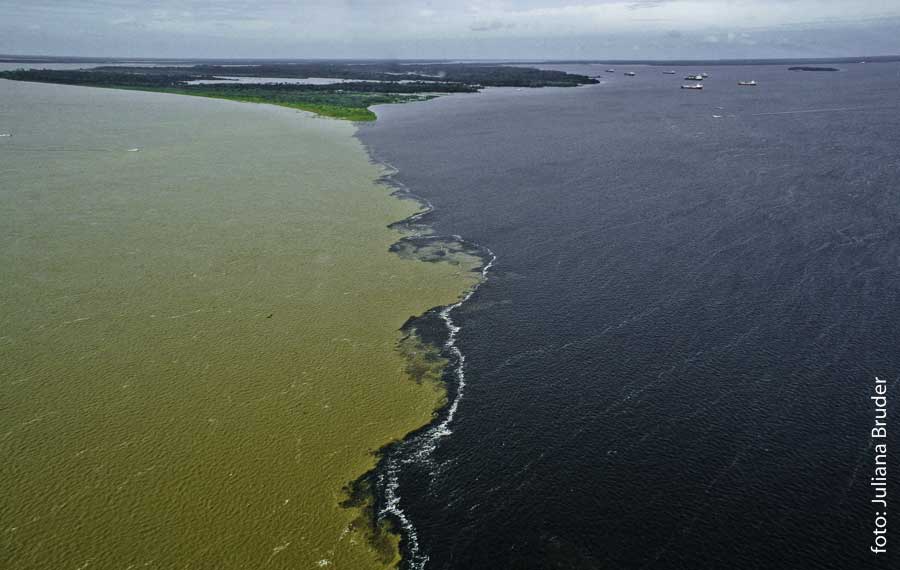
{"x": 427, "y": 206}
{"x": 420, "y": 447}
{"x": 425, "y": 444}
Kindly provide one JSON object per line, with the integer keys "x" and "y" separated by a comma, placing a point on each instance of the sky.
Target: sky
{"x": 464, "y": 29}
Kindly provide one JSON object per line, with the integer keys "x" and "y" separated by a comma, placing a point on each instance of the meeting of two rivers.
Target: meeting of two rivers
{"x": 220, "y": 351}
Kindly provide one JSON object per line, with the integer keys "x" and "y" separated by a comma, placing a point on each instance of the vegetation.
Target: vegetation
{"x": 349, "y": 113}
{"x": 340, "y": 104}
{"x": 370, "y": 83}
{"x": 474, "y": 74}
{"x": 348, "y": 101}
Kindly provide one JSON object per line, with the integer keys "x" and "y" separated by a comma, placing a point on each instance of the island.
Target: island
{"x": 812, "y": 68}
{"x": 335, "y": 89}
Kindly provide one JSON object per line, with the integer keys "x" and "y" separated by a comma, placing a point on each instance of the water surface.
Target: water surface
{"x": 199, "y": 320}
{"x": 671, "y": 363}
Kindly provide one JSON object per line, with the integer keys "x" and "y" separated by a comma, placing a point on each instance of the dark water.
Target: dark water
{"x": 670, "y": 365}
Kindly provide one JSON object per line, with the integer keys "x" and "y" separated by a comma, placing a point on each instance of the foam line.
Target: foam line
{"x": 419, "y": 448}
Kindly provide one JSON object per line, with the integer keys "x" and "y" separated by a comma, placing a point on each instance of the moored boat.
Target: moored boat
{"x": 630, "y": 73}
{"x": 694, "y": 86}
{"x": 694, "y": 78}
{"x": 751, "y": 83}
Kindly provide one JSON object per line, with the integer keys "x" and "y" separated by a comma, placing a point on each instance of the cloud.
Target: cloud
{"x": 643, "y": 4}
{"x": 434, "y": 28}
{"x": 491, "y": 26}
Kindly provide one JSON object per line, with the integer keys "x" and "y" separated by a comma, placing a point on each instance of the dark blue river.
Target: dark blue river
{"x": 671, "y": 363}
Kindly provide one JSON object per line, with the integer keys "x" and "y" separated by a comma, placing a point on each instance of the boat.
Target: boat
{"x": 704, "y": 75}
{"x": 747, "y": 83}
{"x": 669, "y": 72}
{"x": 610, "y": 71}
{"x": 694, "y": 86}
{"x": 694, "y": 78}
{"x": 630, "y": 73}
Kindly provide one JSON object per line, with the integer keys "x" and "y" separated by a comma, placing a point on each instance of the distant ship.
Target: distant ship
{"x": 694, "y": 86}
{"x": 694, "y": 78}
{"x": 610, "y": 71}
{"x": 747, "y": 83}
{"x": 630, "y": 73}
{"x": 669, "y": 72}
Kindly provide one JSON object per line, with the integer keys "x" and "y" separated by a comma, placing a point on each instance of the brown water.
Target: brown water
{"x": 198, "y": 338}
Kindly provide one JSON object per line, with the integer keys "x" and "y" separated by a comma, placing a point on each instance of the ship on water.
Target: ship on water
{"x": 694, "y": 86}
{"x": 751, "y": 83}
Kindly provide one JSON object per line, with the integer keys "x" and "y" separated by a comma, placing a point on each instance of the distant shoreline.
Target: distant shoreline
{"x": 13, "y": 58}
{"x": 356, "y": 86}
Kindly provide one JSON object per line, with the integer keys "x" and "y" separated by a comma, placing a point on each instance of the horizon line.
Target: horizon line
{"x": 32, "y": 58}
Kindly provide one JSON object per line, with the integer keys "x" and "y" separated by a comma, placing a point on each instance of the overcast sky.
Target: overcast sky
{"x": 522, "y": 29}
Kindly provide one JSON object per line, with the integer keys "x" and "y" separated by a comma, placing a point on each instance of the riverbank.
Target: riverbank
{"x": 355, "y": 85}
{"x": 202, "y": 339}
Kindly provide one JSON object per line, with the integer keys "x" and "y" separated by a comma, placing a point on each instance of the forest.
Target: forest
{"x": 365, "y": 84}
